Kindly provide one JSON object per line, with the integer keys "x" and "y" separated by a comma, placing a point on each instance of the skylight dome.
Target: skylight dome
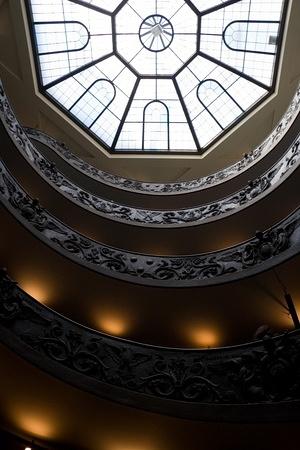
{"x": 157, "y": 75}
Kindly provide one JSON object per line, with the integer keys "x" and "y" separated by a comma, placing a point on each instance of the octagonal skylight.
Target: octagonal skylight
{"x": 157, "y": 75}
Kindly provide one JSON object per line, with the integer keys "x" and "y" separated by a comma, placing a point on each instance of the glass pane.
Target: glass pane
{"x": 196, "y": 66}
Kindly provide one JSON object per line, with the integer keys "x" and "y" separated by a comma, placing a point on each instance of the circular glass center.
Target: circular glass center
{"x": 156, "y": 33}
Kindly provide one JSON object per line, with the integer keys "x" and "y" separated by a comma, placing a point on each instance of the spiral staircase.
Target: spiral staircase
{"x": 147, "y": 302}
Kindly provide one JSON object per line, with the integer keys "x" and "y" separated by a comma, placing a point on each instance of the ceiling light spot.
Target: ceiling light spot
{"x": 36, "y": 290}
{"x": 205, "y": 337}
{"x": 113, "y": 324}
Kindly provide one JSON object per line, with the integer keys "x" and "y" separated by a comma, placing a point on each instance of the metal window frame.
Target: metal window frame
{"x": 105, "y": 106}
{"x": 64, "y": 22}
{"x": 112, "y": 149}
{"x": 144, "y": 122}
{"x": 245, "y": 50}
{"x": 206, "y": 107}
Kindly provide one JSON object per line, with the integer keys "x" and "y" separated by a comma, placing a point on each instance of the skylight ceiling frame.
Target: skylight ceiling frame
{"x": 112, "y": 149}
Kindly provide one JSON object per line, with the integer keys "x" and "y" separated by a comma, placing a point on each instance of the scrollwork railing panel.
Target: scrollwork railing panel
{"x": 261, "y": 373}
{"x": 262, "y": 252}
{"x": 253, "y": 192}
{"x": 182, "y": 187}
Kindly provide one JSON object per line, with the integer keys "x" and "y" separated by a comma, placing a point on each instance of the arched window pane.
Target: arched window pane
{"x": 156, "y": 126}
{"x": 252, "y": 36}
{"x": 59, "y": 37}
{"x": 89, "y": 107}
{"x": 218, "y": 102}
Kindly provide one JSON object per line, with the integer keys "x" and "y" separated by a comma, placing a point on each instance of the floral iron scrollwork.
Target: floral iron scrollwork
{"x": 196, "y": 215}
{"x": 259, "y": 253}
{"x": 262, "y": 372}
{"x": 248, "y": 160}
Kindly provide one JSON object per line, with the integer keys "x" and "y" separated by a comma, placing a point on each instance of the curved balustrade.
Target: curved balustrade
{"x": 179, "y": 187}
{"x": 257, "y": 381}
{"x": 265, "y": 250}
{"x": 253, "y": 192}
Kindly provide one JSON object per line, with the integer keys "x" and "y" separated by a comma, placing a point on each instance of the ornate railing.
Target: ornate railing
{"x": 262, "y": 252}
{"x": 182, "y": 187}
{"x": 253, "y": 192}
{"x": 257, "y": 381}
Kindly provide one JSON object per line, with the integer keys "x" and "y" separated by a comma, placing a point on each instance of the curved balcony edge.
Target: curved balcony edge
{"x": 175, "y": 188}
{"x": 258, "y": 381}
{"x": 194, "y": 216}
{"x": 266, "y": 250}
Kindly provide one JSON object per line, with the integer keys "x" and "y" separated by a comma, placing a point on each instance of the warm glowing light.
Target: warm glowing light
{"x": 130, "y": 446}
{"x": 36, "y": 290}
{"x": 284, "y": 320}
{"x": 205, "y": 337}
{"x": 28, "y": 448}
{"x": 113, "y": 324}
{"x": 34, "y": 425}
